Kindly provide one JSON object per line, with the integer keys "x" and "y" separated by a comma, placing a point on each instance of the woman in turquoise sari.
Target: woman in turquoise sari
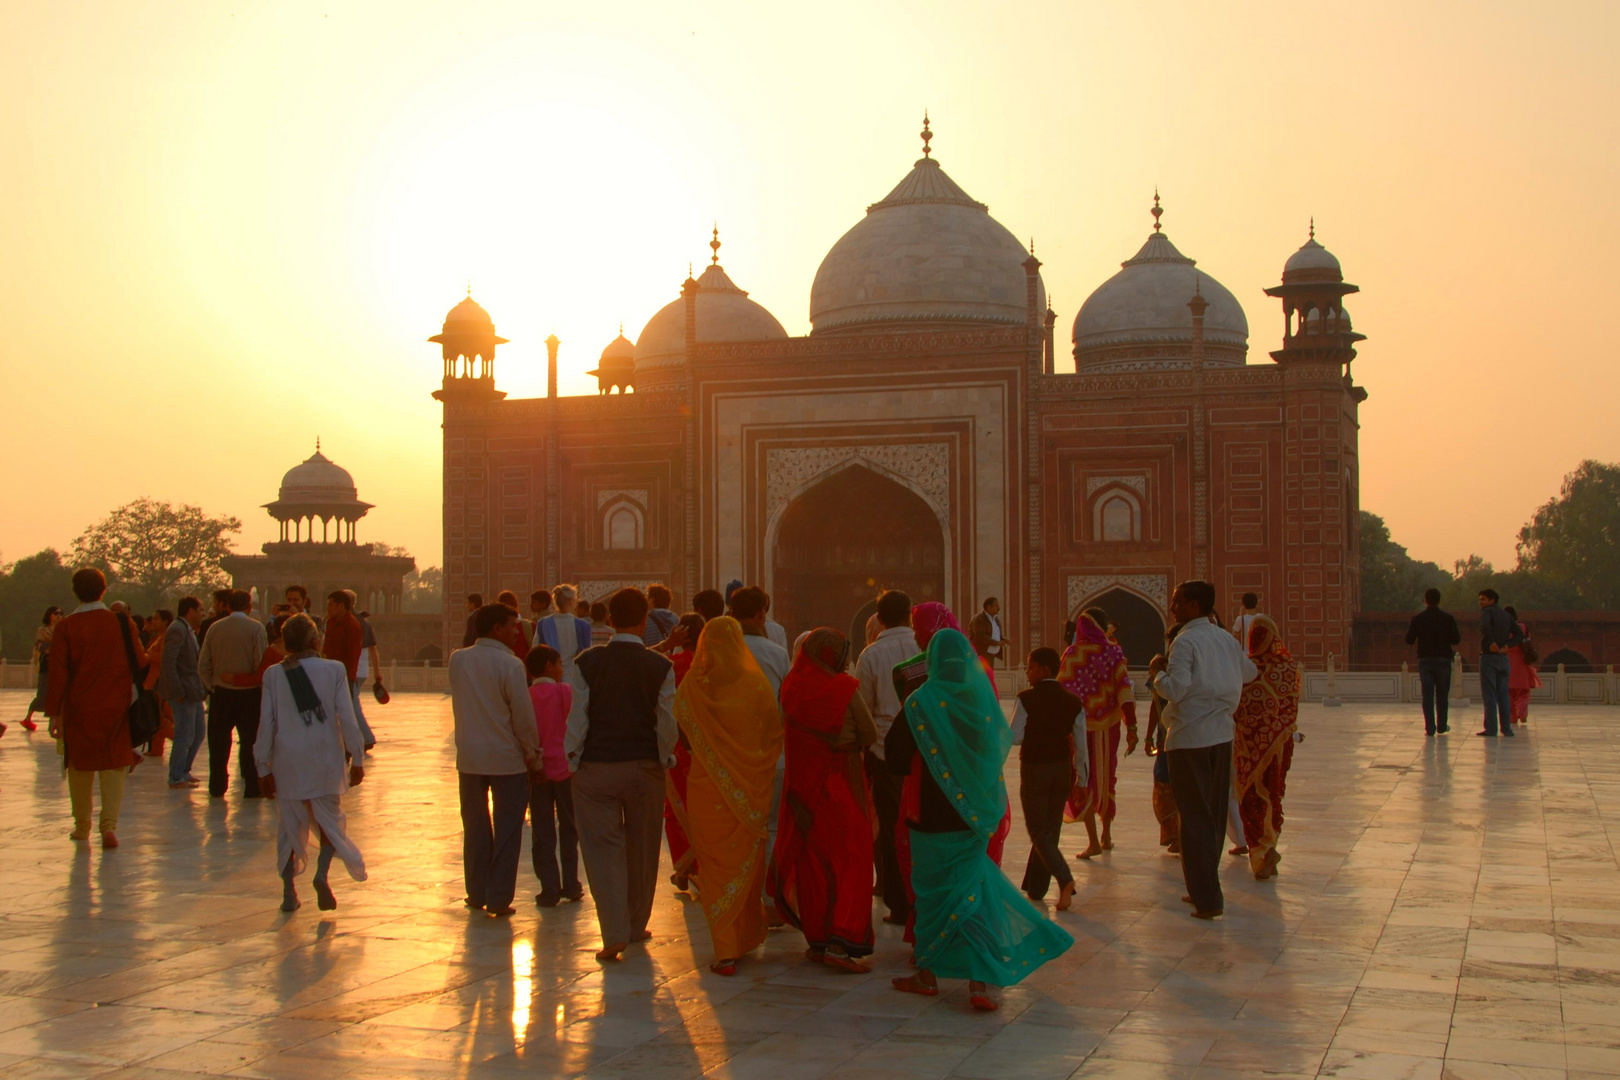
{"x": 972, "y": 923}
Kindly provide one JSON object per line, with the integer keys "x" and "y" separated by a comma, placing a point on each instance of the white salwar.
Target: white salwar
{"x": 308, "y": 762}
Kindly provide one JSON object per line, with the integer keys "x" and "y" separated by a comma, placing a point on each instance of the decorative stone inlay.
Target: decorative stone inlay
{"x": 1082, "y": 587}
{"x": 603, "y": 495}
{"x": 927, "y": 465}
{"x": 1136, "y": 481}
{"x": 596, "y": 590}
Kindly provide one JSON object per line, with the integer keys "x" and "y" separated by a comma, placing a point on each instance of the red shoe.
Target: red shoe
{"x": 982, "y": 1001}
{"x": 29, "y": 725}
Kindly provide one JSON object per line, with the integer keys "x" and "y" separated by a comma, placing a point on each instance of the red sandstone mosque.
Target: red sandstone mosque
{"x": 921, "y": 437}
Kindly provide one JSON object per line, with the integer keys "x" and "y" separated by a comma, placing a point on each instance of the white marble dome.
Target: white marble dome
{"x": 317, "y": 477}
{"x": 1312, "y": 263}
{"x": 724, "y": 313}
{"x": 1139, "y": 320}
{"x": 927, "y": 254}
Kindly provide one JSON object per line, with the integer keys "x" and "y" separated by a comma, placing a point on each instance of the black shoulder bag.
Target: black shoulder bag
{"x": 145, "y": 714}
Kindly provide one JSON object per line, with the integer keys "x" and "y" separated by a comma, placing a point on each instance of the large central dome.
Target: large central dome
{"x": 928, "y": 254}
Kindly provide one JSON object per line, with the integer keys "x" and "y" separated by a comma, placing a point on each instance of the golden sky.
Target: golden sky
{"x": 227, "y": 229}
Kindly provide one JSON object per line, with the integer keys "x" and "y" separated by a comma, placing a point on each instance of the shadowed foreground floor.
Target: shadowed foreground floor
{"x": 1445, "y": 907}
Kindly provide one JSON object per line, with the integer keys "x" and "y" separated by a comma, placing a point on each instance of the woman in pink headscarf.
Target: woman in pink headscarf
{"x": 1094, "y": 671}
{"x": 926, "y": 621}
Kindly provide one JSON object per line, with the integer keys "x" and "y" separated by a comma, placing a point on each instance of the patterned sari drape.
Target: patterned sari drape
{"x": 1094, "y": 670}
{"x": 1263, "y": 739}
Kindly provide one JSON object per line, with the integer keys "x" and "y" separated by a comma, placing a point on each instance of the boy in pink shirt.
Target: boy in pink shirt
{"x": 555, "y": 841}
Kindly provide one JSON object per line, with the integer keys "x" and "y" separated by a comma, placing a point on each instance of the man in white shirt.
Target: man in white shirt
{"x": 1240, "y": 625}
{"x": 874, "y": 673}
{"x": 748, "y": 607}
{"x": 1200, "y": 681}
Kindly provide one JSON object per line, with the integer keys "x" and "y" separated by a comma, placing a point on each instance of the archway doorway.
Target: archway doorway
{"x": 1572, "y": 661}
{"x": 1141, "y": 629}
{"x": 847, "y": 539}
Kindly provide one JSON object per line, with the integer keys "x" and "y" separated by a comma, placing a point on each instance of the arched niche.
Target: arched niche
{"x": 1141, "y": 627}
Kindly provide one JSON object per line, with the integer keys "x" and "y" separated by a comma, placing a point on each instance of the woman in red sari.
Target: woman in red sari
{"x": 681, "y": 855}
{"x": 1263, "y": 743}
{"x": 821, "y": 871}
{"x": 1094, "y": 671}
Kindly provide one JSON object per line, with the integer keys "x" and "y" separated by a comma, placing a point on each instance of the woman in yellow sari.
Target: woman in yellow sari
{"x": 728, "y": 713}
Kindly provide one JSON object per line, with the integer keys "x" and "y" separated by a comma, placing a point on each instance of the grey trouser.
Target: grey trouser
{"x": 619, "y": 810}
{"x": 1043, "y": 792}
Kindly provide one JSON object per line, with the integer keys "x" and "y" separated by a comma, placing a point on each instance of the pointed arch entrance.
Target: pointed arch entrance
{"x": 845, "y": 540}
{"x": 1141, "y": 628}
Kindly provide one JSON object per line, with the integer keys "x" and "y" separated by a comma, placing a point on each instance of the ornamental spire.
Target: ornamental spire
{"x": 926, "y": 135}
{"x": 1157, "y": 210}
{"x": 1313, "y": 226}
{"x": 714, "y": 246}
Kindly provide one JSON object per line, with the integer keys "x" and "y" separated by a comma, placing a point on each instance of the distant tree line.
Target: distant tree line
{"x": 1568, "y": 556}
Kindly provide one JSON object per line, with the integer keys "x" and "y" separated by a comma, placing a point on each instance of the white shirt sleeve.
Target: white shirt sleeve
{"x": 668, "y": 731}
{"x": 1082, "y": 750}
{"x": 1020, "y": 721}
{"x": 578, "y": 722}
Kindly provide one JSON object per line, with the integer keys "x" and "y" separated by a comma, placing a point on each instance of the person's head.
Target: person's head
{"x": 929, "y": 619}
{"x": 1431, "y": 597}
{"x": 731, "y": 587}
{"x": 298, "y": 635}
{"x": 222, "y": 601}
{"x": 1112, "y": 630}
{"x": 499, "y": 622}
{"x": 694, "y": 624}
{"x": 190, "y": 609}
{"x": 1487, "y": 597}
{"x": 544, "y": 662}
{"x": 1250, "y": 601}
{"x": 709, "y": 604}
{"x": 241, "y": 600}
{"x": 749, "y": 604}
{"x": 507, "y": 597}
{"x": 277, "y": 626}
{"x": 582, "y": 608}
{"x": 159, "y": 620}
{"x": 119, "y": 606}
{"x": 474, "y": 602}
{"x": 1192, "y": 600}
{"x": 599, "y": 613}
{"x": 824, "y": 647}
{"x": 539, "y": 602}
{"x": 894, "y": 609}
{"x": 89, "y": 585}
{"x": 297, "y": 598}
{"x": 564, "y": 596}
{"x": 1513, "y": 612}
{"x": 627, "y": 611}
{"x": 659, "y": 596}
{"x": 1041, "y": 664}
{"x": 1098, "y": 617}
{"x": 992, "y": 606}
{"x": 338, "y": 603}
{"x": 52, "y": 616}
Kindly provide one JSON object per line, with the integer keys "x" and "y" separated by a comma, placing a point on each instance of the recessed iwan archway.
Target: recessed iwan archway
{"x": 849, "y": 536}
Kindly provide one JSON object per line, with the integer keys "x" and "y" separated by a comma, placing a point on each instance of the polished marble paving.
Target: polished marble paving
{"x": 1445, "y": 908}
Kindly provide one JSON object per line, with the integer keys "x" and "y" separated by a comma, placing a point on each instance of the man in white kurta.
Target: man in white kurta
{"x": 305, "y": 753}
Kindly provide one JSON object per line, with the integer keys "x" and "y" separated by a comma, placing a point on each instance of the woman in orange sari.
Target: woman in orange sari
{"x": 1263, "y": 743}
{"x": 1094, "y": 671}
{"x": 727, "y": 712}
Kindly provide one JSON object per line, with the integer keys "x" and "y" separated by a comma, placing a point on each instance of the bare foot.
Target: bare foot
{"x": 611, "y": 952}
{"x": 916, "y": 984}
{"x": 1091, "y": 852}
{"x": 1065, "y": 898}
{"x": 1107, "y": 839}
{"x": 724, "y": 967}
{"x": 844, "y": 962}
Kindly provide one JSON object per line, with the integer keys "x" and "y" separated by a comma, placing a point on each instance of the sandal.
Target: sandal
{"x": 913, "y": 984}
{"x": 724, "y": 967}
{"x": 844, "y": 962}
{"x": 982, "y": 1001}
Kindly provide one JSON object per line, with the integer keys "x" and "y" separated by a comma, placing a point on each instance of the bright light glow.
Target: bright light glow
{"x": 522, "y": 985}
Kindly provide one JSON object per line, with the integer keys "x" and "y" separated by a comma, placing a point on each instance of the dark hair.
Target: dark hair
{"x": 540, "y": 657}
{"x": 1513, "y": 612}
{"x": 1199, "y": 593}
{"x": 342, "y": 597}
{"x": 1047, "y": 658}
{"x": 298, "y": 634}
{"x": 541, "y": 597}
{"x": 627, "y": 608}
{"x": 507, "y": 597}
{"x": 709, "y": 604}
{"x": 1490, "y": 594}
{"x": 187, "y": 605}
{"x": 223, "y": 596}
{"x": 1431, "y": 596}
{"x": 240, "y": 600}
{"x": 475, "y": 599}
{"x": 749, "y": 602}
{"x": 45, "y": 620}
{"x": 89, "y": 584}
{"x": 1251, "y": 600}
{"x": 694, "y": 624}
{"x": 989, "y": 600}
{"x": 491, "y": 617}
{"x": 660, "y": 596}
{"x": 163, "y": 615}
{"x": 278, "y": 626}
{"x": 1070, "y": 629}
{"x": 894, "y": 608}
{"x": 299, "y": 589}
{"x": 1096, "y": 615}
{"x": 598, "y": 612}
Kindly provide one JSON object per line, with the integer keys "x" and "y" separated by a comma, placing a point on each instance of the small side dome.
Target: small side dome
{"x": 318, "y": 477}
{"x": 1311, "y": 263}
{"x": 468, "y": 313}
{"x": 620, "y": 348}
{"x": 617, "y": 368}
{"x": 724, "y": 313}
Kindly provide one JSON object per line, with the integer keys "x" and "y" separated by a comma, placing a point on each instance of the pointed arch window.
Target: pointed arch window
{"x": 624, "y": 526}
{"x": 1116, "y": 516}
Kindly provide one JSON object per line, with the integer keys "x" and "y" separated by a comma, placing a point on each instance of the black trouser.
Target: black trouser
{"x": 885, "y": 858}
{"x": 1201, "y": 781}
{"x": 551, "y": 819}
{"x": 490, "y": 850}
{"x": 1043, "y": 791}
{"x": 1435, "y": 675}
{"x": 233, "y": 710}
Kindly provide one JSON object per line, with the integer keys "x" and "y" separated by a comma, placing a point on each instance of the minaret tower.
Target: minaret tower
{"x": 1316, "y": 327}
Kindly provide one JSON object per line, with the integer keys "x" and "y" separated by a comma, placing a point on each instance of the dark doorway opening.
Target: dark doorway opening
{"x": 1141, "y": 629}
{"x": 1572, "y": 661}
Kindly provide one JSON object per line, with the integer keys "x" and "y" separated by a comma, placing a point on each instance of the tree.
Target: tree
{"x": 424, "y": 591}
{"x": 1522, "y": 589}
{"x": 27, "y": 588}
{"x": 1573, "y": 541}
{"x": 158, "y": 548}
{"x": 1391, "y": 580}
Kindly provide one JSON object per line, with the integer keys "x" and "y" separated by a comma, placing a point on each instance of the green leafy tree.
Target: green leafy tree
{"x": 1523, "y": 589}
{"x": 1573, "y": 541}
{"x": 156, "y": 548}
{"x": 27, "y": 588}
{"x": 1391, "y": 580}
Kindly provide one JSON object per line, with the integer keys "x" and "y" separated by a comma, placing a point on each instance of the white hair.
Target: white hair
{"x": 563, "y": 594}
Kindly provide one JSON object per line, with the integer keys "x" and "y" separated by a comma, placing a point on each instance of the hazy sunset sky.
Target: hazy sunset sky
{"x": 227, "y": 229}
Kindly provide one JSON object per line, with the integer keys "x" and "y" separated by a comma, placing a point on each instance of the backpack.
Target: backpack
{"x": 1528, "y": 652}
{"x": 145, "y": 714}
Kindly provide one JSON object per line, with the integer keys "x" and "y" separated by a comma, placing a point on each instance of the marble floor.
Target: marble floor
{"x": 1445, "y": 908}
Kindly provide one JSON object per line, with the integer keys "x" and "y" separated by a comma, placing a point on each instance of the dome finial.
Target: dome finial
{"x": 1157, "y": 210}
{"x": 926, "y": 135}
{"x": 714, "y": 246}
{"x": 317, "y": 444}
{"x": 1313, "y": 226}
{"x": 469, "y": 288}
{"x": 1032, "y": 245}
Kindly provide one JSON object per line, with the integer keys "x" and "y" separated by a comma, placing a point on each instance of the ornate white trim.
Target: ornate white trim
{"x": 1082, "y": 587}
{"x": 639, "y": 495}
{"x": 927, "y": 465}
{"x": 596, "y": 590}
{"x": 1135, "y": 481}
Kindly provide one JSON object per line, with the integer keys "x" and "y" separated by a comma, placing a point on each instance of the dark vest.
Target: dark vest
{"x": 1051, "y": 711}
{"x": 624, "y": 679}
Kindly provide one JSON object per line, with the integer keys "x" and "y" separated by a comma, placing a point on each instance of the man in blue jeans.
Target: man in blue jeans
{"x": 181, "y": 686}
{"x": 1497, "y": 634}
{"x": 1434, "y": 632}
